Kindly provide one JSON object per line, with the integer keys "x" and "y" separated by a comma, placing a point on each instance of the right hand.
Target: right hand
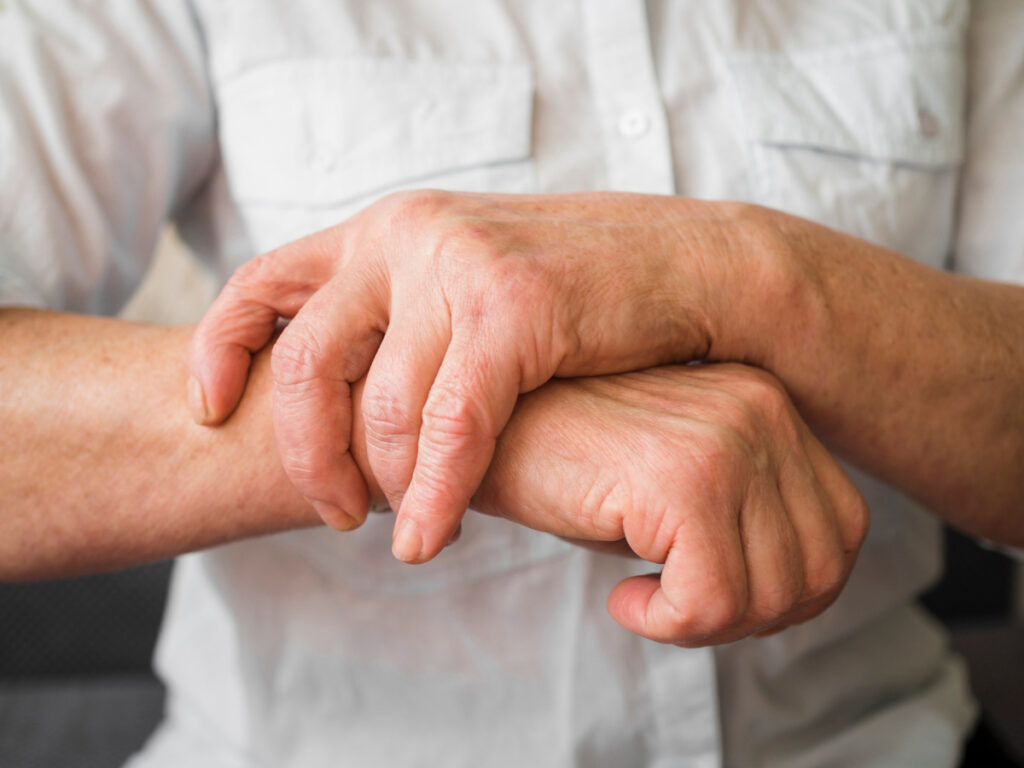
{"x": 708, "y": 470}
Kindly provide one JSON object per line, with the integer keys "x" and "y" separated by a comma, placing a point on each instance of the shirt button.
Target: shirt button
{"x": 634, "y": 123}
{"x": 928, "y": 123}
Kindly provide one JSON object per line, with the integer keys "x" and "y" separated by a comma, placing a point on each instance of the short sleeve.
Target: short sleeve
{"x": 106, "y": 129}
{"x": 990, "y": 232}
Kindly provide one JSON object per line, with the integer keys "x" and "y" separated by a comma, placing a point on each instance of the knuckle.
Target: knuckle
{"x": 758, "y": 399}
{"x": 727, "y": 610}
{"x": 605, "y": 505}
{"x": 717, "y": 465}
{"x": 653, "y": 527}
{"x": 690, "y": 623}
{"x": 735, "y": 412}
{"x": 295, "y": 359}
{"x": 413, "y": 207}
{"x": 450, "y": 417}
{"x": 384, "y": 415}
{"x": 778, "y": 599}
{"x": 467, "y": 252}
{"x": 682, "y": 620}
{"x": 768, "y": 397}
{"x": 685, "y": 626}
{"x": 719, "y": 605}
{"x": 855, "y": 521}
{"x": 824, "y": 574}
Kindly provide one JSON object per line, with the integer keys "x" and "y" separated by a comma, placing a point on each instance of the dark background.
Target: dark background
{"x": 76, "y": 687}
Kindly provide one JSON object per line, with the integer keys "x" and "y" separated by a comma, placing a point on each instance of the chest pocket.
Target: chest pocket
{"x": 865, "y": 138}
{"x": 307, "y": 142}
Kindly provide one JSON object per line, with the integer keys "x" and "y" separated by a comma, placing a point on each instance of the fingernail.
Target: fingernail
{"x": 196, "y": 400}
{"x": 408, "y": 542}
{"x": 334, "y": 516}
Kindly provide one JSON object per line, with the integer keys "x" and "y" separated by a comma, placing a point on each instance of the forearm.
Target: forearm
{"x": 101, "y": 466}
{"x": 913, "y": 374}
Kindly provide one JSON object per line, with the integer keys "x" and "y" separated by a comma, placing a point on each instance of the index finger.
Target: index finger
{"x": 244, "y": 316}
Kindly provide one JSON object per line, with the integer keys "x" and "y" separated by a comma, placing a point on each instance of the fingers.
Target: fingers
{"x": 327, "y": 346}
{"x": 396, "y": 389}
{"x": 850, "y": 511}
{"x": 795, "y": 559}
{"x": 467, "y": 406}
{"x": 243, "y": 318}
{"x": 782, "y": 559}
{"x": 702, "y": 588}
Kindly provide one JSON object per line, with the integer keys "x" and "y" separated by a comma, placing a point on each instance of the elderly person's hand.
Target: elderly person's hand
{"x": 708, "y": 470}
{"x": 461, "y": 303}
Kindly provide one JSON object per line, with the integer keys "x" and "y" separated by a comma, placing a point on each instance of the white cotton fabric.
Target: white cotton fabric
{"x": 252, "y": 122}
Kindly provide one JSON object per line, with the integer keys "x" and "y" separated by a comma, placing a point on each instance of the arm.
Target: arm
{"x": 98, "y": 469}
{"x": 756, "y": 525}
{"x": 913, "y": 374}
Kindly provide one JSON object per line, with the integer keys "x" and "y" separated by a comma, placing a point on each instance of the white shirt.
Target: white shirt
{"x": 252, "y": 122}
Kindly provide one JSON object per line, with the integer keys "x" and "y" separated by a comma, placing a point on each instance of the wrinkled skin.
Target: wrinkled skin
{"x": 452, "y": 305}
{"x": 708, "y": 470}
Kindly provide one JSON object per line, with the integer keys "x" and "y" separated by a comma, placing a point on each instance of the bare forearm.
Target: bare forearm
{"x": 913, "y": 374}
{"x": 100, "y": 465}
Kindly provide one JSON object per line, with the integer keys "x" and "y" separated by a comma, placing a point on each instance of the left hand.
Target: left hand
{"x": 461, "y": 302}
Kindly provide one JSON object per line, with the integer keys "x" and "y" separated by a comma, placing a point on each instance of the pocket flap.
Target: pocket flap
{"x": 894, "y": 100}
{"x": 320, "y": 131}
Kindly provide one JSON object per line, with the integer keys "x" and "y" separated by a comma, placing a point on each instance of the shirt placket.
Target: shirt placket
{"x": 680, "y": 687}
{"x": 633, "y": 124}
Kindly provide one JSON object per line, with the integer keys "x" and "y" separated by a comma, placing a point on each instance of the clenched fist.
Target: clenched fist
{"x": 707, "y": 470}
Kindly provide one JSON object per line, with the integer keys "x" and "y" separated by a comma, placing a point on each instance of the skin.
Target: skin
{"x": 754, "y": 523}
{"x": 453, "y": 305}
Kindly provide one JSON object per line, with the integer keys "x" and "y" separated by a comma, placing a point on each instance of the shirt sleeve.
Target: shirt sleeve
{"x": 990, "y": 231}
{"x": 106, "y": 129}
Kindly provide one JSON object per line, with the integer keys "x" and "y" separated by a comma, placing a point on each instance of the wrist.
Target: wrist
{"x": 761, "y": 293}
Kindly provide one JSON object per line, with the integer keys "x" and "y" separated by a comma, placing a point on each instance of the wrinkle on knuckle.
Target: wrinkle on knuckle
{"x": 659, "y": 529}
{"x": 450, "y": 419}
{"x": 605, "y": 505}
{"x": 384, "y": 415}
{"x": 295, "y": 360}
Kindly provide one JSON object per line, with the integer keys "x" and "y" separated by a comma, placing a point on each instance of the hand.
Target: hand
{"x": 708, "y": 470}
{"x": 461, "y": 302}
